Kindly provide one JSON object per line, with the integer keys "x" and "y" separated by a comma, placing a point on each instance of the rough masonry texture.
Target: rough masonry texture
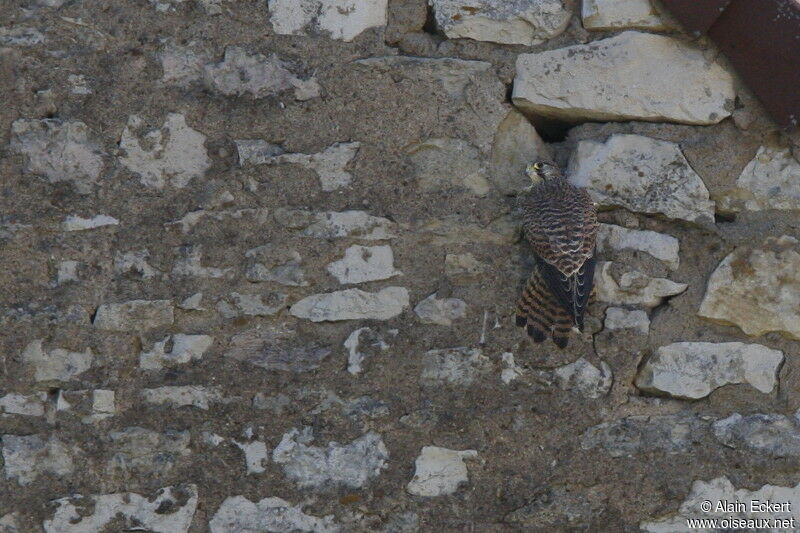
{"x": 258, "y": 266}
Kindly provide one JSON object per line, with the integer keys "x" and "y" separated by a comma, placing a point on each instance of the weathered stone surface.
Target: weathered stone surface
{"x": 352, "y": 304}
{"x": 610, "y": 15}
{"x": 273, "y": 515}
{"x": 58, "y": 150}
{"x": 585, "y": 378}
{"x": 182, "y": 395}
{"x": 631, "y": 76}
{"x": 190, "y": 264}
{"x": 256, "y": 455}
{"x": 722, "y": 490}
{"x": 256, "y": 151}
{"x": 364, "y": 263}
{"x": 134, "y": 262}
{"x": 692, "y": 370}
{"x": 265, "y": 304}
{"x": 191, "y": 219}
{"x": 770, "y": 181}
{"x": 192, "y": 303}
{"x": 278, "y": 266}
{"x": 468, "y": 85}
{"x": 184, "y": 348}
{"x": 457, "y": 366}
{"x": 29, "y": 457}
{"x": 276, "y": 347}
{"x": 632, "y": 435}
{"x": 145, "y": 450}
{"x": 506, "y": 22}
{"x": 442, "y": 311}
{"x": 641, "y": 174}
{"x": 76, "y": 223}
{"x": 182, "y": 65}
{"x": 619, "y": 285}
{"x": 658, "y": 245}
{"x": 350, "y": 465}
{"x": 442, "y": 163}
{"x": 619, "y": 318}
{"x": 22, "y": 404}
{"x": 329, "y": 165}
{"x": 9, "y": 523}
{"x": 21, "y": 36}
{"x": 170, "y": 511}
{"x": 333, "y": 225}
{"x": 170, "y": 155}
{"x": 757, "y": 288}
{"x": 511, "y": 370}
{"x": 463, "y": 265}
{"x": 451, "y": 230}
{"x": 770, "y": 435}
{"x": 559, "y": 508}
{"x": 439, "y": 471}
{"x": 343, "y": 21}
{"x": 516, "y": 144}
{"x": 239, "y": 73}
{"x": 56, "y": 364}
{"x": 134, "y": 315}
{"x": 360, "y": 344}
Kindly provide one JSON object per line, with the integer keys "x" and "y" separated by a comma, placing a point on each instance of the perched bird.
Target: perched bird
{"x": 559, "y": 220}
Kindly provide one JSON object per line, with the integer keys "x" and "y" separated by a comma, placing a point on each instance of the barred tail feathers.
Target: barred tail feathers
{"x": 541, "y": 314}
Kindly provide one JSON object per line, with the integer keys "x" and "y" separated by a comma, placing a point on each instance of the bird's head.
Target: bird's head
{"x": 542, "y": 170}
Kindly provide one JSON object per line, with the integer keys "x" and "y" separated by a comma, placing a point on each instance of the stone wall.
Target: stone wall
{"x": 259, "y": 265}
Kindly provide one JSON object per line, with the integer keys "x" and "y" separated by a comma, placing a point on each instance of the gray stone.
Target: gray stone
{"x": 443, "y": 163}
{"x": 281, "y": 267}
{"x": 619, "y": 285}
{"x": 364, "y": 263}
{"x": 182, "y": 65}
{"x": 192, "y": 303}
{"x": 721, "y": 490}
{"x": 134, "y": 261}
{"x": 182, "y": 396}
{"x": 351, "y": 465}
{"x": 757, "y": 288}
{"x": 191, "y": 265}
{"x": 184, "y": 348}
{"x": 631, "y": 435}
{"x": 134, "y": 315}
{"x": 170, "y": 155}
{"x": 354, "y": 224}
{"x": 329, "y": 165}
{"x": 516, "y": 144}
{"x": 76, "y": 223}
{"x": 457, "y": 366}
{"x": 770, "y": 435}
{"x": 239, "y": 73}
{"x": 439, "y": 471}
{"x": 56, "y": 364}
{"x": 276, "y": 347}
{"x": 559, "y": 508}
{"x": 360, "y": 344}
{"x": 526, "y": 22}
{"x": 641, "y": 174}
{"x": 256, "y": 455}
{"x": 145, "y": 450}
{"x": 29, "y": 457}
{"x": 658, "y": 245}
{"x": 188, "y": 221}
{"x": 331, "y": 17}
{"x": 352, "y": 304}
{"x": 584, "y": 378}
{"x": 610, "y": 15}
{"x": 272, "y": 515}
{"x": 441, "y": 312}
{"x": 770, "y": 181}
{"x": 631, "y": 76}
{"x": 511, "y": 370}
{"x": 265, "y": 304}
{"x": 618, "y": 318}
{"x": 58, "y": 150}
{"x": 22, "y": 404}
{"x": 78, "y": 84}
{"x": 256, "y": 151}
{"x": 170, "y": 510}
{"x": 692, "y": 370}
{"x": 20, "y": 36}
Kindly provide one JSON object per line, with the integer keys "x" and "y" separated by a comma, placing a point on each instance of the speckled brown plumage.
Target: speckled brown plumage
{"x": 560, "y": 222}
